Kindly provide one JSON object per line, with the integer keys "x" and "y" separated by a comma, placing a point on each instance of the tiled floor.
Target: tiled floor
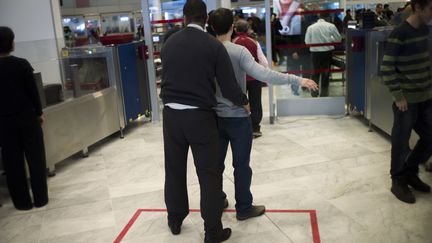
{"x": 331, "y": 165}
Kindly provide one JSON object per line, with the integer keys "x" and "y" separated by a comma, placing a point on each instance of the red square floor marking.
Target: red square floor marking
{"x": 312, "y": 215}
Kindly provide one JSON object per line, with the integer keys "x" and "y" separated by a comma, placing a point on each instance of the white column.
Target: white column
{"x": 150, "y": 61}
{"x": 35, "y": 34}
{"x": 226, "y": 4}
{"x": 272, "y": 109}
{"x": 212, "y": 4}
{"x": 158, "y": 5}
{"x": 342, "y": 4}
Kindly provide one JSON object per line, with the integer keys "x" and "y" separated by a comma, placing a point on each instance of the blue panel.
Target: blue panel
{"x": 358, "y": 97}
{"x": 357, "y": 69}
{"x": 130, "y": 82}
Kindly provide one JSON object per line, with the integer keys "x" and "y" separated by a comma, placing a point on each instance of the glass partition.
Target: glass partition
{"x": 75, "y": 23}
{"x": 300, "y": 47}
{"x": 117, "y": 23}
{"x": 294, "y": 47}
{"x": 81, "y": 30}
{"x": 86, "y": 70}
{"x": 166, "y": 18}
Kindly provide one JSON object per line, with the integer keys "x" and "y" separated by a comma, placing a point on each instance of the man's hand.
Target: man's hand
{"x": 41, "y": 120}
{"x": 310, "y": 84}
{"x": 402, "y": 105}
{"x": 247, "y": 108}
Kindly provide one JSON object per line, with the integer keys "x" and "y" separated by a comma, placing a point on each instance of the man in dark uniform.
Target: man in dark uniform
{"x": 191, "y": 60}
{"x": 20, "y": 127}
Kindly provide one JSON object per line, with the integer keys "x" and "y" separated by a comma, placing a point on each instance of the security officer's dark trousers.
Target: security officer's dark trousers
{"x": 197, "y": 129}
{"x": 21, "y": 135}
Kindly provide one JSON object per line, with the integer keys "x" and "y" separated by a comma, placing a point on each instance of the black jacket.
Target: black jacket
{"x": 191, "y": 60}
{"x": 18, "y": 90}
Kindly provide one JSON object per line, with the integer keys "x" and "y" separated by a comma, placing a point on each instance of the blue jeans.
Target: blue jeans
{"x": 417, "y": 117}
{"x": 238, "y": 132}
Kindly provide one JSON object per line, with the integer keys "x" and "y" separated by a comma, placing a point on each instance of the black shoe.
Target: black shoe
{"x": 254, "y": 212}
{"x": 222, "y": 236}
{"x": 314, "y": 94}
{"x": 415, "y": 182}
{"x": 225, "y": 203}
{"x": 402, "y": 192}
{"x": 257, "y": 134}
{"x": 428, "y": 167}
{"x": 24, "y": 207}
{"x": 41, "y": 204}
{"x": 175, "y": 227}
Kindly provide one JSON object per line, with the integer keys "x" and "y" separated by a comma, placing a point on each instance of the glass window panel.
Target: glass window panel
{"x": 292, "y": 52}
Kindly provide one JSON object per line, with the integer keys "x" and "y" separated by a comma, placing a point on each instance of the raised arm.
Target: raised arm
{"x": 259, "y": 72}
{"x": 252, "y": 68}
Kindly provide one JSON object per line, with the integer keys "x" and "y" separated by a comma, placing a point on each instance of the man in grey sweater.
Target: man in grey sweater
{"x": 234, "y": 123}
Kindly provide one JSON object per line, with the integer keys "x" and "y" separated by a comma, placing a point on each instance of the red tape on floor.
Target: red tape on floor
{"x": 312, "y": 214}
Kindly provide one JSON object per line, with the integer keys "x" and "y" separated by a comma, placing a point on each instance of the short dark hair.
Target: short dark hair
{"x": 6, "y": 40}
{"x": 221, "y": 20}
{"x": 421, "y": 3}
{"x": 195, "y": 11}
{"x": 242, "y": 26}
{"x": 210, "y": 22}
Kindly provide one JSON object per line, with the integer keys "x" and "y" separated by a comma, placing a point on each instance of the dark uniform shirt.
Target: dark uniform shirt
{"x": 18, "y": 91}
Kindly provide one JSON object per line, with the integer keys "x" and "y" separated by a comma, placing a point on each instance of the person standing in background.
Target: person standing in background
{"x": 388, "y": 13}
{"x": 234, "y": 123}
{"x": 93, "y": 37}
{"x": 254, "y": 87}
{"x": 20, "y": 128}
{"x": 191, "y": 61}
{"x": 322, "y": 32}
{"x": 348, "y": 17}
{"x": 277, "y": 57}
{"x": 69, "y": 36}
{"x": 406, "y": 71}
{"x": 380, "y": 17}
